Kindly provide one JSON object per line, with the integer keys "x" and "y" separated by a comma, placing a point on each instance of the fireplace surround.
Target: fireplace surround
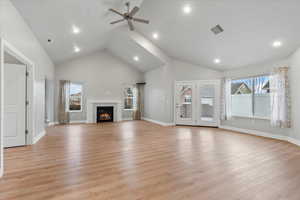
{"x": 92, "y": 109}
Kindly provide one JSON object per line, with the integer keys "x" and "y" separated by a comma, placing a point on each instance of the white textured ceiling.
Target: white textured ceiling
{"x": 54, "y": 19}
{"x": 250, "y": 28}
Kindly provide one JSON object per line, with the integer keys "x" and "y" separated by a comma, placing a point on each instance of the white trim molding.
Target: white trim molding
{"x": 52, "y": 124}
{"x": 127, "y": 119}
{"x": 293, "y": 141}
{"x": 38, "y": 137}
{"x": 158, "y": 122}
{"x": 262, "y": 134}
{"x": 1, "y": 172}
{"x": 78, "y": 122}
{"x": 1, "y": 106}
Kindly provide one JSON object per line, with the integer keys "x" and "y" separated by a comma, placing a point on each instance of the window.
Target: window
{"x": 250, "y": 97}
{"x": 74, "y": 98}
{"x": 130, "y": 95}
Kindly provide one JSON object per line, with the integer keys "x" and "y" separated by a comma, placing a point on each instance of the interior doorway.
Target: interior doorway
{"x": 16, "y": 99}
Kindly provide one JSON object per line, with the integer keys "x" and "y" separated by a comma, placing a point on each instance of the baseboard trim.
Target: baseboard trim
{"x": 158, "y": 122}
{"x": 78, "y": 122}
{"x": 1, "y": 172}
{"x": 52, "y": 123}
{"x": 38, "y": 137}
{"x": 127, "y": 119}
{"x": 293, "y": 141}
{"x": 262, "y": 134}
{"x": 71, "y": 122}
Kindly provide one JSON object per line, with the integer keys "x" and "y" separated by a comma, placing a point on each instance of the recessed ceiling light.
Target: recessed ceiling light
{"x": 187, "y": 9}
{"x": 155, "y": 36}
{"x": 217, "y": 61}
{"x": 136, "y": 58}
{"x": 75, "y": 30}
{"x": 76, "y": 49}
{"x": 277, "y": 44}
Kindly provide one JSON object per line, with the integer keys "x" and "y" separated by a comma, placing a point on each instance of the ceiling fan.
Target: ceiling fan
{"x": 129, "y": 16}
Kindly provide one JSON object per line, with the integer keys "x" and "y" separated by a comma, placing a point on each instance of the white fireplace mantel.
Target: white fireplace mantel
{"x": 92, "y": 109}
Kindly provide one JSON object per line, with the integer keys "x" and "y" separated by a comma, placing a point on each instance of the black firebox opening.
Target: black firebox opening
{"x": 105, "y": 114}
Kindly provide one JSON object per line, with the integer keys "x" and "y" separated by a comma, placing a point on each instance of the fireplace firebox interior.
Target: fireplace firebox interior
{"x": 105, "y": 114}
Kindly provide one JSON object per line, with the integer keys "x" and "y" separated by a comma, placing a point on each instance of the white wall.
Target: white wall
{"x": 255, "y": 124}
{"x": 157, "y": 93}
{"x": 14, "y": 29}
{"x": 294, "y": 75}
{"x": 159, "y": 89}
{"x": 103, "y": 75}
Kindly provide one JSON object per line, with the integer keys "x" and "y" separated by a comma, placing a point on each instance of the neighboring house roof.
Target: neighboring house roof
{"x": 77, "y": 94}
{"x": 266, "y": 86}
{"x": 240, "y": 88}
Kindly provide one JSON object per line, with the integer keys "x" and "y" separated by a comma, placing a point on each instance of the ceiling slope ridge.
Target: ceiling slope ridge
{"x": 197, "y": 64}
{"x": 146, "y": 44}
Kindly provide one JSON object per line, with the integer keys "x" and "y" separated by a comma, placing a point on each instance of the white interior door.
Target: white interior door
{"x": 208, "y": 103}
{"x": 184, "y": 103}
{"x": 14, "y": 105}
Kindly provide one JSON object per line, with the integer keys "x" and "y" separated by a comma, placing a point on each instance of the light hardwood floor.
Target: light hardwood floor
{"x": 140, "y": 160}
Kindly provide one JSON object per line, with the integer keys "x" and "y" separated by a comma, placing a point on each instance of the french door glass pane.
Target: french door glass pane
{"x": 207, "y": 102}
{"x": 185, "y": 102}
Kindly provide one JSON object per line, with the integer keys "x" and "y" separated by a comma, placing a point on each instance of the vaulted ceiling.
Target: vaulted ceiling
{"x": 251, "y": 26}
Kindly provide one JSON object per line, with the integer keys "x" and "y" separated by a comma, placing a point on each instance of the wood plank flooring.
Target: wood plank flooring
{"x": 137, "y": 160}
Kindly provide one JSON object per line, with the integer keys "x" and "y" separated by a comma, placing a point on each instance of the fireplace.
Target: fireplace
{"x": 105, "y": 114}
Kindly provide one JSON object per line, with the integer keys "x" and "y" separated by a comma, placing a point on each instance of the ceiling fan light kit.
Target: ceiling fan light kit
{"x": 129, "y": 16}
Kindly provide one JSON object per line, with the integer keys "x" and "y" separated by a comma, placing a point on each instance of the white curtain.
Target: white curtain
{"x": 226, "y": 99}
{"x": 280, "y": 98}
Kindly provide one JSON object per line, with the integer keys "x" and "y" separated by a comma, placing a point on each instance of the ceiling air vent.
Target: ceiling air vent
{"x": 217, "y": 29}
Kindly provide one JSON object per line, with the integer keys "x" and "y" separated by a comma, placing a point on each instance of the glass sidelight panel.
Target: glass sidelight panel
{"x": 185, "y": 102}
{"x": 207, "y": 103}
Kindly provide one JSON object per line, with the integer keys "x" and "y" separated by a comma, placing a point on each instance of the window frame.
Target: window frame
{"x": 253, "y": 98}
{"x": 68, "y": 99}
{"x": 126, "y": 97}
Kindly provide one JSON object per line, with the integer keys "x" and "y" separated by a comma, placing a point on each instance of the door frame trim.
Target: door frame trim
{"x": 10, "y": 49}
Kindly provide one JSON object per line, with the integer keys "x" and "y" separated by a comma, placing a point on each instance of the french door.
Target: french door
{"x": 184, "y": 104}
{"x": 197, "y": 103}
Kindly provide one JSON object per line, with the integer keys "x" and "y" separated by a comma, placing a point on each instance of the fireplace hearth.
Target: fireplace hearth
{"x": 105, "y": 114}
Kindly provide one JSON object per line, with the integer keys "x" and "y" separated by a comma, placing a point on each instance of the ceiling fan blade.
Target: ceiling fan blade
{"x": 134, "y": 11}
{"x": 114, "y": 22}
{"x": 130, "y": 25}
{"x": 115, "y": 11}
{"x": 141, "y": 20}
